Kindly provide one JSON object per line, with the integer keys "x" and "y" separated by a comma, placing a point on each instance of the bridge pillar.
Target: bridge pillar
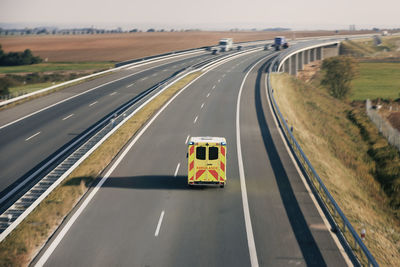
{"x": 300, "y": 57}
{"x": 293, "y": 65}
{"x": 312, "y": 54}
{"x": 331, "y": 51}
{"x": 306, "y": 57}
{"x": 286, "y": 65}
{"x": 319, "y": 53}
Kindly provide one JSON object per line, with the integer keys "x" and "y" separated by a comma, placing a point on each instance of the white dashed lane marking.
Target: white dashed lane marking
{"x": 177, "y": 169}
{"x": 187, "y": 139}
{"x": 29, "y": 138}
{"x": 159, "y": 223}
{"x": 69, "y": 116}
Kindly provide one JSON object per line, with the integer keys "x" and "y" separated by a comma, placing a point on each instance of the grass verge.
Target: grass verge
{"x": 377, "y": 80}
{"x": 57, "y": 66}
{"x": 368, "y": 48}
{"x": 22, "y": 244}
{"x": 49, "y": 91}
{"x": 336, "y": 145}
{"x": 28, "y": 88}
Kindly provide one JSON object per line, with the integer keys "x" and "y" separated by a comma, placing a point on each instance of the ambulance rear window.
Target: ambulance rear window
{"x": 201, "y": 153}
{"x": 213, "y": 153}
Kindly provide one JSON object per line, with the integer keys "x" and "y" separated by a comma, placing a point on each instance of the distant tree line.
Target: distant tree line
{"x": 18, "y": 58}
{"x": 81, "y": 31}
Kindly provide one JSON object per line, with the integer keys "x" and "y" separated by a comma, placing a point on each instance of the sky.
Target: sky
{"x": 201, "y": 14}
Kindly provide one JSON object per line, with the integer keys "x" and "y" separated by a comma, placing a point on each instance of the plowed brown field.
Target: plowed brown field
{"x": 120, "y": 47}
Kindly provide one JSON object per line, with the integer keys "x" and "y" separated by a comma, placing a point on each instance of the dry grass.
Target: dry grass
{"x": 22, "y": 244}
{"x": 336, "y": 149}
{"x": 120, "y": 47}
{"x": 366, "y": 49}
{"x": 23, "y": 100}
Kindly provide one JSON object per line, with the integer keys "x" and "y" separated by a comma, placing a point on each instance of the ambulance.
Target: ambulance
{"x": 207, "y": 161}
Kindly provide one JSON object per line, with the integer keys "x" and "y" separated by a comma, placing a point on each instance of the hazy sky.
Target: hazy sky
{"x": 205, "y": 14}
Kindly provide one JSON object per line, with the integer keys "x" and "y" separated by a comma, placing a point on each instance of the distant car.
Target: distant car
{"x": 239, "y": 47}
{"x": 208, "y": 48}
{"x": 267, "y": 47}
{"x": 214, "y": 51}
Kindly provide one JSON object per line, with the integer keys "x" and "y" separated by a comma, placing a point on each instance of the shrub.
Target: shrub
{"x": 338, "y": 72}
{"x": 18, "y": 58}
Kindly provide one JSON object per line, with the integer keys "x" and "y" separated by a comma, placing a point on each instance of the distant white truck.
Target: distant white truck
{"x": 226, "y": 44}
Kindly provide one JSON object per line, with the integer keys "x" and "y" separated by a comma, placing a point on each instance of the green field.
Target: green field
{"x": 57, "y": 66}
{"x": 377, "y": 80}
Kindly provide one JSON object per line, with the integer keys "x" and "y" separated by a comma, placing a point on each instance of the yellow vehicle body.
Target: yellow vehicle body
{"x": 207, "y": 161}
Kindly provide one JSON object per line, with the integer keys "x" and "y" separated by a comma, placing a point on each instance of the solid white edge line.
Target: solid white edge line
{"x": 177, "y": 169}
{"x": 87, "y": 200}
{"x": 245, "y": 201}
{"x": 29, "y": 138}
{"x": 69, "y": 116}
{"x": 303, "y": 179}
{"x": 159, "y": 223}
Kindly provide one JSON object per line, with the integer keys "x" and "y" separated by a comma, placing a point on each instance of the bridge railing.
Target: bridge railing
{"x": 341, "y": 225}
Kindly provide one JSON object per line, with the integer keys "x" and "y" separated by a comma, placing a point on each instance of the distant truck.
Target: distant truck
{"x": 226, "y": 44}
{"x": 280, "y": 43}
{"x": 207, "y": 161}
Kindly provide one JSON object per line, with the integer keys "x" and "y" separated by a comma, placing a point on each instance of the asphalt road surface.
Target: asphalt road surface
{"x": 145, "y": 214}
{"x": 31, "y": 132}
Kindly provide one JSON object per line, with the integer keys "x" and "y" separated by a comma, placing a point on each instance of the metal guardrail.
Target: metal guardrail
{"x": 342, "y": 224}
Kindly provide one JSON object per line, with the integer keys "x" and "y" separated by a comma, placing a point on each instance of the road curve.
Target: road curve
{"x": 145, "y": 215}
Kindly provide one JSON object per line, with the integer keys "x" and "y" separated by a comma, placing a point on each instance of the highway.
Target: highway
{"x": 144, "y": 214}
{"x": 32, "y": 132}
